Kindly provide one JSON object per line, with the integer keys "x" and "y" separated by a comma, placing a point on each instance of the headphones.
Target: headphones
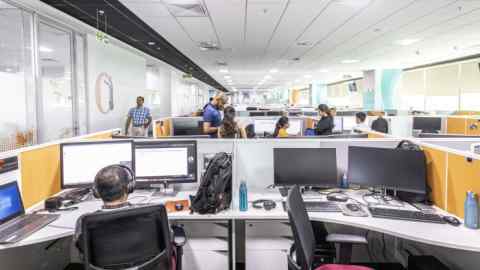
{"x": 129, "y": 182}
{"x": 265, "y": 204}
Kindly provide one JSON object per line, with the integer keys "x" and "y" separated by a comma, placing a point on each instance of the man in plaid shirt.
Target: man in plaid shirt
{"x": 140, "y": 118}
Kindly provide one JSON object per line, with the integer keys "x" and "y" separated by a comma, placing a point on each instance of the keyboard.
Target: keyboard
{"x": 405, "y": 215}
{"x": 323, "y": 206}
{"x": 25, "y": 226}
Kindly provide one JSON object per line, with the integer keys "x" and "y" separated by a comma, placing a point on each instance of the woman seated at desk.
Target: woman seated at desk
{"x": 281, "y": 128}
{"x": 325, "y": 125}
{"x": 229, "y": 127}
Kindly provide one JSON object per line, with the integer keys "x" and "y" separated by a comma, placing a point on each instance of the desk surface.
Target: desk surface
{"x": 429, "y": 233}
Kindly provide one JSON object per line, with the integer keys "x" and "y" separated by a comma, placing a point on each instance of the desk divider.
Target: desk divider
{"x": 40, "y": 168}
{"x": 456, "y": 125}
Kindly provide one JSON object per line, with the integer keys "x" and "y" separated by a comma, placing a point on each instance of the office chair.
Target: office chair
{"x": 305, "y": 246}
{"x": 136, "y": 238}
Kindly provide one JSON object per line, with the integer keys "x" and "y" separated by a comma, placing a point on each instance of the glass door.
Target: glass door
{"x": 55, "y": 102}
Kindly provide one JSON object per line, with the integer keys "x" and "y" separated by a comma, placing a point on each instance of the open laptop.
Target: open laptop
{"x": 15, "y": 225}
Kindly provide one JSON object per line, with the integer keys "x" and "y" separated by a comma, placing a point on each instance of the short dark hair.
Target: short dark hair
{"x": 361, "y": 115}
{"x": 111, "y": 183}
{"x": 140, "y": 97}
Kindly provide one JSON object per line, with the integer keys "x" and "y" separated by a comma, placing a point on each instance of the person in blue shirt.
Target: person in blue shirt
{"x": 212, "y": 118}
{"x": 140, "y": 118}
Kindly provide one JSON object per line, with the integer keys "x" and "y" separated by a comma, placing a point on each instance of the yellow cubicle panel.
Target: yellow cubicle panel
{"x": 40, "y": 171}
{"x": 467, "y": 113}
{"x": 436, "y": 175}
{"x": 463, "y": 175}
{"x": 163, "y": 127}
{"x": 473, "y": 127}
{"x": 456, "y": 125}
{"x": 309, "y": 123}
{"x": 375, "y": 135}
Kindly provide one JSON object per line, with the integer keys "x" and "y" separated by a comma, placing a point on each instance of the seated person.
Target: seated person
{"x": 281, "y": 128}
{"x": 229, "y": 127}
{"x": 325, "y": 125}
{"x": 380, "y": 124}
{"x": 360, "y": 118}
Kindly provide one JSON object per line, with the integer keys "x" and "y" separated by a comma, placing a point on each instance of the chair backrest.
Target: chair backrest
{"x": 120, "y": 239}
{"x": 303, "y": 235}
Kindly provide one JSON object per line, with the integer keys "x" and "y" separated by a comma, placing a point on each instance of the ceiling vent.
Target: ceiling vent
{"x": 186, "y": 8}
{"x": 208, "y": 46}
{"x": 49, "y": 60}
{"x": 221, "y": 63}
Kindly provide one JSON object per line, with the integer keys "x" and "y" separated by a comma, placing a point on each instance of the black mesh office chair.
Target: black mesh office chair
{"x": 305, "y": 246}
{"x": 137, "y": 238}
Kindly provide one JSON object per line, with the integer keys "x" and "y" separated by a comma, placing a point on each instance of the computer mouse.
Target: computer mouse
{"x": 452, "y": 220}
{"x": 353, "y": 207}
{"x": 178, "y": 206}
{"x": 337, "y": 197}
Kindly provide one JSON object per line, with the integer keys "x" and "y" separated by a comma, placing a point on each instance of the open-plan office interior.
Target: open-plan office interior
{"x": 239, "y": 134}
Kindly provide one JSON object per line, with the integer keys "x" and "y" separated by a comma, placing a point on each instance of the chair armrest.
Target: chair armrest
{"x": 346, "y": 239}
{"x": 292, "y": 264}
{"x": 179, "y": 236}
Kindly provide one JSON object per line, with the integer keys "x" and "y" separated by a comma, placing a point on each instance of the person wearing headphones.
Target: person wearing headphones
{"x": 112, "y": 185}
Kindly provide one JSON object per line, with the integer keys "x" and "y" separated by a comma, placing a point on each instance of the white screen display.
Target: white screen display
{"x": 349, "y": 122}
{"x": 262, "y": 126}
{"x": 295, "y": 127}
{"x": 81, "y": 162}
{"x": 161, "y": 162}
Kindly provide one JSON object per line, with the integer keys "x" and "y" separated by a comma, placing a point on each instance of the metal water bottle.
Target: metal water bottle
{"x": 243, "y": 197}
{"x": 471, "y": 210}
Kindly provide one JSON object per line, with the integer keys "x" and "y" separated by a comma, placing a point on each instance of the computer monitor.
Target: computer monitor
{"x": 81, "y": 161}
{"x": 349, "y": 122}
{"x": 427, "y": 124}
{"x": 11, "y": 205}
{"x": 257, "y": 113}
{"x": 338, "y": 124}
{"x": 403, "y": 170}
{"x": 305, "y": 167}
{"x": 187, "y": 126}
{"x": 308, "y": 113}
{"x": 274, "y": 113}
{"x": 264, "y": 125}
{"x": 295, "y": 127}
{"x": 159, "y": 162}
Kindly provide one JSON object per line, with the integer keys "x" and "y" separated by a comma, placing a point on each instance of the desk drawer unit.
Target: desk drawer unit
{"x": 267, "y": 244}
{"x": 207, "y": 244}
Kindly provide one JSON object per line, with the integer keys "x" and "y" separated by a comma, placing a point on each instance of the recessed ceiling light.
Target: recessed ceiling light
{"x": 45, "y": 49}
{"x": 151, "y": 43}
{"x": 223, "y": 70}
{"x": 227, "y": 77}
{"x": 307, "y": 76}
{"x": 267, "y": 77}
{"x": 273, "y": 70}
{"x": 407, "y": 41}
{"x": 350, "y": 61}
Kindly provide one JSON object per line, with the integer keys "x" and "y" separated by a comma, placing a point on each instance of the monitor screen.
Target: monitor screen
{"x": 274, "y": 113}
{"x": 257, "y": 113}
{"x": 295, "y": 127}
{"x": 390, "y": 168}
{"x": 80, "y": 161}
{"x": 264, "y": 125}
{"x": 349, "y": 122}
{"x": 309, "y": 167}
{"x": 427, "y": 124}
{"x": 165, "y": 161}
{"x": 338, "y": 124}
{"x": 10, "y": 202}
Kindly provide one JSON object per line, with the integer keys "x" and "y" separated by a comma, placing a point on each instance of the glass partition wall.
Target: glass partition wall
{"x": 42, "y": 79}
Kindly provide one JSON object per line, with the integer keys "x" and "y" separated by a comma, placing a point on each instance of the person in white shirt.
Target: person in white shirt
{"x": 360, "y": 119}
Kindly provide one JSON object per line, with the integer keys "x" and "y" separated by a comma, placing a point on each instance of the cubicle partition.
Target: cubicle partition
{"x": 464, "y": 125}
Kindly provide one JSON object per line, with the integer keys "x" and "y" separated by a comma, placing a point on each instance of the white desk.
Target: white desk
{"x": 443, "y": 235}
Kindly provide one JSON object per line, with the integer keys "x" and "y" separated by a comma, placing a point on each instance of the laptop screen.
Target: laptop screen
{"x": 10, "y": 202}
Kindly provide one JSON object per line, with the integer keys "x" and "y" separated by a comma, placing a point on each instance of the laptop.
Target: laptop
{"x": 15, "y": 225}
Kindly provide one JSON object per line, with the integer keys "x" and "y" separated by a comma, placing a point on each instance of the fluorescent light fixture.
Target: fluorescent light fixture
{"x": 307, "y": 76}
{"x": 44, "y": 49}
{"x": 407, "y": 41}
{"x": 350, "y": 61}
{"x": 267, "y": 77}
{"x": 223, "y": 70}
{"x": 273, "y": 70}
{"x": 227, "y": 77}
{"x": 151, "y": 43}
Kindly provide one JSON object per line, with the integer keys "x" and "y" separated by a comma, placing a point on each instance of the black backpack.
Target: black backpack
{"x": 215, "y": 191}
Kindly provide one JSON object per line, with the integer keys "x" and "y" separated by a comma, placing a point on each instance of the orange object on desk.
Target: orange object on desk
{"x": 172, "y": 205}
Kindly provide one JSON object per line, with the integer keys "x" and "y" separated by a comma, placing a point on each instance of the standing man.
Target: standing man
{"x": 141, "y": 118}
{"x": 212, "y": 117}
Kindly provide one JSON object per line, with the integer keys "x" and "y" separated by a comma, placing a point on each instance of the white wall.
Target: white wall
{"x": 188, "y": 95}
{"x": 158, "y": 97}
{"x": 128, "y": 72}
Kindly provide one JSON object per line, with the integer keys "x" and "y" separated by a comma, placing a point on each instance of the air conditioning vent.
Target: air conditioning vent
{"x": 208, "y": 46}
{"x": 192, "y": 8}
{"x": 221, "y": 63}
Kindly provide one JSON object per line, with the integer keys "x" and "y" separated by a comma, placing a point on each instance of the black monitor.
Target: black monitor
{"x": 305, "y": 167}
{"x": 428, "y": 124}
{"x": 187, "y": 126}
{"x": 81, "y": 161}
{"x": 256, "y": 113}
{"x": 274, "y": 113}
{"x": 403, "y": 170}
{"x": 161, "y": 162}
{"x": 310, "y": 113}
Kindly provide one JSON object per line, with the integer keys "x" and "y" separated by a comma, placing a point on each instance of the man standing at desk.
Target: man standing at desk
{"x": 212, "y": 118}
{"x": 141, "y": 118}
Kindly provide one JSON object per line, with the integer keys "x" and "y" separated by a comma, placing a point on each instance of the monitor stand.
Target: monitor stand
{"x": 164, "y": 190}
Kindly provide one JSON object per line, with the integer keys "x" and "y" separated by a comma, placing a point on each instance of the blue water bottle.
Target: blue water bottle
{"x": 243, "y": 196}
{"x": 471, "y": 210}
{"x": 344, "y": 182}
